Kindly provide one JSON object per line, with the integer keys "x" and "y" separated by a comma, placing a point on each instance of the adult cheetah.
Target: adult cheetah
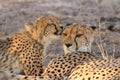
{"x": 60, "y": 67}
{"x": 101, "y": 69}
{"x": 24, "y": 50}
{"x": 78, "y": 37}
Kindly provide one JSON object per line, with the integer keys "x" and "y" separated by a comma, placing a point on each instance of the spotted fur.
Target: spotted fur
{"x": 97, "y": 70}
{"x": 24, "y": 50}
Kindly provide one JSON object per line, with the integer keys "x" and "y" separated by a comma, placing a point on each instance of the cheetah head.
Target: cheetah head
{"x": 77, "y": 38}
{"x": 44, "y": 29}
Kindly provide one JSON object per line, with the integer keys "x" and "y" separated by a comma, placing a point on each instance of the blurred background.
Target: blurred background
{"x": 14, "y": 13}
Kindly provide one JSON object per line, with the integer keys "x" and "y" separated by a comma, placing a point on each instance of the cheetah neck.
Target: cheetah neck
{"x": 47, "y": 40}
{"x": 45, "y": 45}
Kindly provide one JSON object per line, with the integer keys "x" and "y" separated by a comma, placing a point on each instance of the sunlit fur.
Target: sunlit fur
{"x": 59, "y": 68}
{"x": 26, "y": 47}
{"x": 100, "y": 69}
{"x": 79, "y": 36}
{"x": 43, "y": 28}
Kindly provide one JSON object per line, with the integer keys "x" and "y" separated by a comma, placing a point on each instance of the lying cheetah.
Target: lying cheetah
{"x": 25, "y": 50}
{"x": 100, "y": 69}
{"x": 77, "y": 38}
{"x": 97, "y": 70}
{"x": 60, "y": 67}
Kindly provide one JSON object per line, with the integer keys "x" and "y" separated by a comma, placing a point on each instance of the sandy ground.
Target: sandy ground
{"x": 14, "y": 13}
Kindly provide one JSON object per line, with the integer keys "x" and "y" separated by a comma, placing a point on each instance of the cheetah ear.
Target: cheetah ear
{"x": 28, "y": 27}
{"x": 93, "y": 27}
{"x": 95, "y": 30}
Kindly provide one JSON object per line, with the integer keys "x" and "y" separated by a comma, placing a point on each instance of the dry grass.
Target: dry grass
{"x": 102, "y": 47}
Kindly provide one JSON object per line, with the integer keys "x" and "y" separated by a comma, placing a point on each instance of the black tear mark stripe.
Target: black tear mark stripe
{"x": 50, "y": 25}
{"x": 75, "y": 39}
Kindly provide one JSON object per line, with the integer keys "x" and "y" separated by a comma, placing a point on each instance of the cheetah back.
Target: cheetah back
{"x": 61, "y": 66}
{"x": 9, "y": 62}
{"x": 97, "y": 70}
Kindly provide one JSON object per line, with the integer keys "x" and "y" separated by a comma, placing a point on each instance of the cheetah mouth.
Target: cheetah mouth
{"x": 83, "y": 50}
{"x": 78, "y": 50}
{"x": 70, "y": 50}
{"x": 73, "y": 51}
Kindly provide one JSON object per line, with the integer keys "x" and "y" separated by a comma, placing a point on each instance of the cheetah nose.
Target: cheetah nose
{"x": 68, "y": 45}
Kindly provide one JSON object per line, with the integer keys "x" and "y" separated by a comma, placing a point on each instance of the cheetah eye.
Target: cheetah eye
{"x": 78, "y": 35}
{"x": 52, "y": 24}
{"x": 64, "y": 34}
